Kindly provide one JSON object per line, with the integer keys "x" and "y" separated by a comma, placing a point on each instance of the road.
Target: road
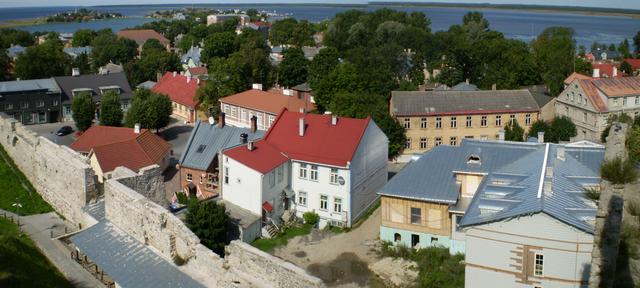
{"x": 48, "y": 131}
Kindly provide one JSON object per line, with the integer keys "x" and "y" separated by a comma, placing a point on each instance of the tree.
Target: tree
{"x": 344, "y": 77}
{"x": 634, "y": 144}
{"x": 322, "y": 64}
{"x": 513, "y": 132}
{"x": 636, "y": 42}
{"x": 42, "y": 61}
{"x": 84, "y": 110}
{"x": 253, "y": 14}
{"x": 583, "y": 66}
{"x": 153, "y": 60}
{"x": 208, "y": 220}
{"x": 110, "y": 110}
{"x": 81, "y": 62}
{"x": 562, "y": 129}
{"x": 151, "y": 46}
{"x": 9, "y": 36}
{"x": 293, "y": 69}
{"x": 83, "y": 37}
{"x": 626, "y": 68}
{"x": 553, "y": 52}
{"x": 4, "y": 65}
{"x": 624, "y": 49}
{"x": 281, "y": 31}
{"x": 539, "y": 126}
{"x": 218, "y": 45}
{"x": 107, "y": 47}
{"x": 151, "y": 110}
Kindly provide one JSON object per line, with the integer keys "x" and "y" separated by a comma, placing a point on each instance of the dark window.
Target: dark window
{"x": 416, "y": 215}
{"x": 415, "y": 240}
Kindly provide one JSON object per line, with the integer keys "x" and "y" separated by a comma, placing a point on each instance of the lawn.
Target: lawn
{"x": 282, "y": 239}
{"x": 14, "y": 187}
{"x": 21, "y": 262}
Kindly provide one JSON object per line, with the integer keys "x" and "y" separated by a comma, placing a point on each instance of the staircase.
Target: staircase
{"x": 269, "y": 231}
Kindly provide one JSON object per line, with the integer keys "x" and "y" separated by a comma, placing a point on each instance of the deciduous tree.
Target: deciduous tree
{"x": 513, "y": 132}
{"x": 562, "y": 129}
{"x": 208, "y": 220}
{"x": 151, "y": 110}
{"x": 293, "y": 69}
{"x": 84, "y": 110}
{"x": 83, "y": 37}
{"x": 42, "y": 61}
{"x": 554, "y": 51}
{"x": 110, "y": 110}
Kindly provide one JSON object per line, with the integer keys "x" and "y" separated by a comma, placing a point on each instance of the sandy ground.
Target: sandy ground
{"x": 339, "y": 259}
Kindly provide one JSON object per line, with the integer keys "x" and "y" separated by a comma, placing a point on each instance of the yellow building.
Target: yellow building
{"x": 433, "y": 118}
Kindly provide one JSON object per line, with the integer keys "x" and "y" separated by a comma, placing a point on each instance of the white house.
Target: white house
{"x": 307, "y": 162}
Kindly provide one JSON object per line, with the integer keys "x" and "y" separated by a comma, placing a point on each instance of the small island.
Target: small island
{"x": 82, "y": 15}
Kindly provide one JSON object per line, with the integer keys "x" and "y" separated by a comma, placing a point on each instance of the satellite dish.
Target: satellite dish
{"x": 341, "y": 180}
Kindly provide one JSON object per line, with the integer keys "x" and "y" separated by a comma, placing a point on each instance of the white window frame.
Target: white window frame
{"x": 337, "y": 204}
{"x": 302, "y": 198}
{"x": 302, "y": 171}
{"x": 499, "y": 120}
{"x": 437, "y": 141}
{"x": 407, "y": 145}
{"x": 324, "y": 201}
{"x": 313, "y": 175}
{"x": 527, "y": 119}
{"x": 438, "y": 122}
{"x": 189, "y": 177}
{"x": 453, "y": 122}
{"x": 453, "y": 141}
{"x": 423, "y": 123}
{"x": 468, "y": 122}
{"x": 407, "y": 123}
{"x": 483, "y": 121}
{"x": 333, "y": 176}
{"x": 538, "y": 269}
{"x": 226, "y": 174}
{"x": 424, "y": 143}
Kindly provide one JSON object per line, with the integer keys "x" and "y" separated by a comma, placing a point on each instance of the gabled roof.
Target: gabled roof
{"x": 179, "y": 88}
{"x": 592, "y": 93}
{"x": 144, "y": 150}
{"x": 616, "y": 87}
{"x": 193, "y": 54}
{"x": 450, "y": 102}
{"x": 574, "y": 76}
{"x": 14, "y": 50}
{"x": 207, "y": 140}
{"x": 142, "y": 35}
{"x": 197, "y": 71}
{"x": 147, "y": 85}
{"x": 265, "y": 101}
{"x": 322, "y": 143}
{"x": 635, "y": 63}
{"x": 101, "y": 135}
{"x": 94, "y": 82}
{"x": 47, "y": 85}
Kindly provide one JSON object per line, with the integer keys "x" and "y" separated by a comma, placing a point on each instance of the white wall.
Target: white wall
{"x": 273, "y": 194}
{"x": 244, "y": 186}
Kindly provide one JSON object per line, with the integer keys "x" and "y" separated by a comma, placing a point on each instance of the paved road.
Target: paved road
{"x": 177, "y": 134}
{"x": 39, "y": 228}
{"x": 48, "y": 131}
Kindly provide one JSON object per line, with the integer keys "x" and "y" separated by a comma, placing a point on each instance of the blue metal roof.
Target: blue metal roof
{"x": 193, "y": 54}
{"x": 14, "y": 50}
{"x": 29, "y": 85}
{"x": 76, "y": 51}
{"x": 206, "y": 140}
{"x": 129, "y": 262}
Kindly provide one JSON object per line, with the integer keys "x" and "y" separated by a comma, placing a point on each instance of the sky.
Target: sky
{"x": 623, "y": 4}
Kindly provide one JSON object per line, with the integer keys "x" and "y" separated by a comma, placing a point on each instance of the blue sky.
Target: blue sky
{"x": 625, "y": 4}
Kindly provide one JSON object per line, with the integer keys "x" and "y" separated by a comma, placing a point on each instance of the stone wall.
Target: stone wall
{"x": 62, "y": 176}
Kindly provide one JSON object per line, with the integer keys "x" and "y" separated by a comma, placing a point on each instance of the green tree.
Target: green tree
{"x": 539, "y": 126}
{"x": 208, "y": 220}
{"x": 636, "y": 42}
{"x": 81, "y": 62}
{"x": 107, "y": 47}
{"x": 281, "y": 32}
{"x": 302, "y": 34}
{"x": 9, "y": 36}
{"x": 218, "y": 45}
{"x": 149, "y": 109}
{"x": 84, "y": 110}
{"x": 562, "y": 129}
{"x": 344, "y": 77}
{"x": 624, "y": 49}
{"x": 83, "y": 37}
{"x": 151, "y": 46}
{"x": 553, "y": 51}
{"x": 4, "y": 65}
{"x": 322, "y": 64}
{"x": 42, "y": 61}
{"x": 634, "y": 144}
{"x": 626, "y": 68}
{"x": 187, "y": 41}
{"x": 514, "y": 132}
{"x": 583, "y": 66}
{"x": 293, "y": 69}
{"x": 110, "y": 110}
{"x": 253, "y": 14}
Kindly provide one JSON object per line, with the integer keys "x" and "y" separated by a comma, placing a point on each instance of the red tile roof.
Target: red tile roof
{"x": 269, "y": 102}
{"x": 322, "y": 143}
{"x": 635, "y": 63}
{"x": 102, "y": 135}
{"x": 196, "y": 71}
{"x": 616, "y": 87}
{"x": 574, "y": 76}
{"x": 592, "y": 93}
{"x": 607, "y": 69}
{"x": 142, "y": 35}
{"x": 178, "y": 88}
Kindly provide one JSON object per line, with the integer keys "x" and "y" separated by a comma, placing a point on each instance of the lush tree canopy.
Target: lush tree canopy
{"x": 208, "y": 221}
{"x": 293, "y": 69}
{"x": 514, "y": 132}
{"x": 290, "y": 31}
{"x": 83, "y": 37}
{"x": 150, "y": 110}
{"x": 110, "y": 110}
{"x": 83, "y": 109}
{"x": 554, "y": 51}
{"x": 9, "y": 36}
{"x": 107, "y": 47}
{"x": 43, "y": 61}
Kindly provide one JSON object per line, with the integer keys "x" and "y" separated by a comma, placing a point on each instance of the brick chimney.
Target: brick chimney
{"x": 301, "y": 127}
{"x": 254, "y": 124}
{"x": 75, "y": 72}
{"x": 136, "y": 128}
{"x": 221, "y": 119}
{"x": 596, "y": 73}
{"x": 250, "y": 146}
{"x": 175, "y": 73}
{"x": 244, "y": 138}
{"x": 334, "y": 120}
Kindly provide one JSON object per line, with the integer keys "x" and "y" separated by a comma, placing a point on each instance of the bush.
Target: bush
{"x": 208, "y": 221}
{"x": 182, "y": 198}
{"x": 618, "y": 171}
{"x": 311, "y": 218}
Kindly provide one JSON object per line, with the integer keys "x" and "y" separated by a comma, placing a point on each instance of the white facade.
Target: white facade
{"x": 526, "y": 252}
{"x": 241, "y": 117}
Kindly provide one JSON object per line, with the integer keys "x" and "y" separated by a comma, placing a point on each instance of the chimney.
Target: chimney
{"x": 494, "y": 87}
{"x": 250, "y": 145}
{"x": 301, "y": 110}
{"x": 175, "y": 74}
{"x": 615, "y": 71}
{"x": 254, "y": 124}
{"x": 136, "y": 128}
{"x": 541, "y": 137}
{"x": 560, "y": 153}
{"x": 301, "y": 127}
{"x": 287, "y": 92}
{"x": 75, "y": 72}
{"x": 211, "y": 120}
{"x": 467, "y": 81}
{"x": 596, "y": 73}
{"x": 501, "y": 135}
{"x": 188, "y": 79}
{"x": 198, "y": 81}
{"x": 256, "y": 86}
{"x": 334, "y": 120}
{"x": 158, "y": 76}
{"x": 244, "y": 138}
{"x": 221, "y": 119}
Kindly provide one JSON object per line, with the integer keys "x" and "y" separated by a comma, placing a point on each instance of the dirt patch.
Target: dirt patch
{"x": 346, "y": 268}
{"x": 300, "y": 254}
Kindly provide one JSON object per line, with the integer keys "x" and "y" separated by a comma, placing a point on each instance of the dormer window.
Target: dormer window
{"x": 473, "y": 159}
{"x": 111, "y": 88}
{"x": 79, "y": 91}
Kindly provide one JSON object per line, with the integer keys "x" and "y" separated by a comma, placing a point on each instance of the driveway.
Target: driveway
{"x": 48, "y": 130}
{"x": 177, "y": 134}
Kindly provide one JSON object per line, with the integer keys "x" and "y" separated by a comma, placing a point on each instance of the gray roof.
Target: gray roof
{"x": 207, "y": 140}
{"x": 540, "y": 94}
{"x": 510, "y": 187}
{"x": 464, "y": 86}
{"x": 29, "y": 85}
{"x": 14, "y": 50}
{"x": 76, "y": 51}
{"x": 416, "y": 103}
{"x": 129, "y": 262}
{"x": 193, "y": 53}
{"x": 311, "y": 52}
{"x": 304, "y": 87}
{"x": 146, "y": 84}
{"x": 96, "y": 210}
{"x": 93, "y": 82}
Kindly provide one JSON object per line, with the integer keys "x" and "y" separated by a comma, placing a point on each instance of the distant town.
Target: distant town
{"x": 247, "y": 148}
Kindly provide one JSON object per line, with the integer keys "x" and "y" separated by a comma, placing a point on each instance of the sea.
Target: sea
{"x": 516, "y": 24}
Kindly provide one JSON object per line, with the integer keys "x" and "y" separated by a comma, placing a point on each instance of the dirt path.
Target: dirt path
{"x": 338, "y": 259}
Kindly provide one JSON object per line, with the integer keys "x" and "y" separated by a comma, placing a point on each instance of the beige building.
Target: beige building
{"x": 436, "y": 118}
{"x": 589, "y": 103}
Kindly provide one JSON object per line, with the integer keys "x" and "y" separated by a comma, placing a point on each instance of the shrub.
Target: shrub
{"x": 592, "y": 194}
{"x": 618, "y": 171}
{"x": 311, "y": 218}
{"x": 182, "y": 198}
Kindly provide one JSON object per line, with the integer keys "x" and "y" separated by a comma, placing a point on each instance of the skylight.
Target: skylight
{"x": 201, "y": 148}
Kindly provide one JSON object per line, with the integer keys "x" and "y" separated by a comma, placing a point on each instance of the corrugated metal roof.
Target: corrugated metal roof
{"x": 411, "y": 103}
{"x": 207, "y": 139}
{"x": 76, "y": 51}
{"x": 96, "y": 210}
{"x": 29, "y": 85}
{"x": 129, "y": 262}
{"x": 93, "y": 81}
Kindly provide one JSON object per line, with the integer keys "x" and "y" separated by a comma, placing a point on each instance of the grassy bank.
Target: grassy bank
{"x": 15, "y": 187}
{"x": 22, "y": 22}
{"x": 282, "y": 239}
{"x": 22, "y": 264}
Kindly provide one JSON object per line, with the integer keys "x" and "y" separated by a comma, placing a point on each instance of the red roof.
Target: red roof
{"x": 592, "y": 93}
{"x": 617, "y": 87}
{"x": 102, "y": 135}
{"x": 269, "y": 102}
{"x": 322, "y": 143}
{"x": 197, "y": 71}
{"x": 574, "y": 76}
{"x": 142, "y": 35}
{"x": 635, "y": 63}
{"x": 179, "y": 88}
{"x": 267, "y": 207}
{"x": 607, "y": 69}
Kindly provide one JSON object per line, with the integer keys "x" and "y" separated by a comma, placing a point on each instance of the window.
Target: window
{"x": 226, "y": 175}
{"x": 584, "y": 116}
{"x": 637, "y": 100}
{"x": 527, "y": 119}
{"x": 280, "y": 174}
{"x": 210, "y": 181}
{"x": 302, "y": 198}
{"x": 314, "y": 172}
{"x": 468, "y": 122}
{"x": 484, "y": 137}
{"x": 40, "y": 103}
{"x": 271, "y": 119}
{"x": 24, "y": 105}
{"x": 615, "y": 101}
{"x": 538, "y": 268}
{"x": 189, "y": 177}
{"x": 337, "y": 205}
{"x": 302, "y": 173}
{"x": 416, "y": 215}
{"x": 234, "y": 111}
{"x": 243, "y": 114}
{"x": 499, "y": 120}
{"x": 407, "y": 123}
{"x": 415, "y": 240}
{"x": 55, "y": 102}
{"x": 423, "y": 123}
{"x": 324, "y": 202}
{"x": 226, "y": 109}
{"x": 454, "y": 122}
{"x": 453, "y": 141}
{"x": 438, "y": 122}
{"x": 437, "y": 141}
{"x": 407, "y": 145}
{"x": 483, "y": 121}
{"x": 397, "y": 237}
{"x": 333, "y": 178}
{"x": 272, "y": 179}
{"x": 512, "y": 118}
{"x": 201, "y": 179}
{"x": 8, "y": 106}
{"x": 624, "y": 101}
{"x": 423, "y": 143}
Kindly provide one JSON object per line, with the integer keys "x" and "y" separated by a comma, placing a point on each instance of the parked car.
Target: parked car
{"x": 64, "y": 130}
